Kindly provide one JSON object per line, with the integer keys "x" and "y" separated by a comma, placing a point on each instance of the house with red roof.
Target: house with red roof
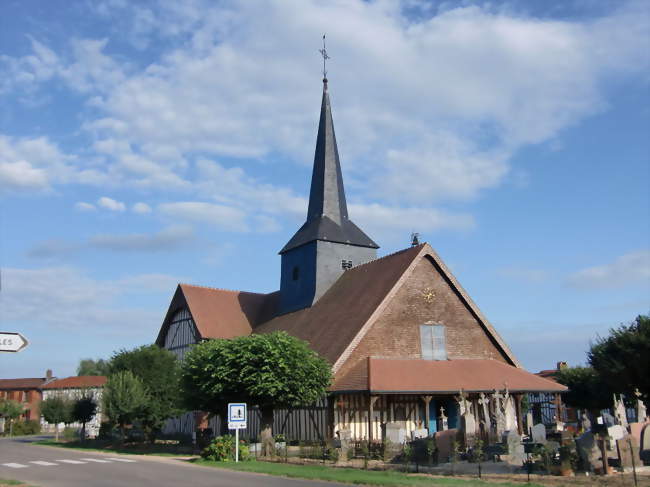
{"x": 408, "y": 346}
{"x": 73, "y": 388}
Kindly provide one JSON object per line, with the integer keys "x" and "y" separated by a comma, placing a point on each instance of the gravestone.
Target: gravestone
{"x": 529, "y": 423}
{"x": 645, "y": 444}
{"x": 345, "y": 437}
{"x": 516, "y": 453}
{"x": 588, "y": 451}
{"x": 635, "y": 430}
{"x": 619, "y": 412}
{"x": 538, "y": 433}
{"x": 395, "y": 432}
{"x": 468, "y": 425}
{"x": 641, "y": 412}
{"x": 628, "y": 452}
{"x": 443, "y": 419}
{"x": 444, "y": 441}
{"x": 510, "y": 414}
{"x": 420, "y": 433}
{"x": 608, "y": 419}
{"x": 616, "y": 432}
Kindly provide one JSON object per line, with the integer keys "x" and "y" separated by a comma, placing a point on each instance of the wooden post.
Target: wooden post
{"x": 427, "y": 400}
{"x": 371, "y": 404}
{"x": 520, "y": 419}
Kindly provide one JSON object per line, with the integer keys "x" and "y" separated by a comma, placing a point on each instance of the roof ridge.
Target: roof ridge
{"x": 222, "y": 289}
{"x": 420, "y": 246}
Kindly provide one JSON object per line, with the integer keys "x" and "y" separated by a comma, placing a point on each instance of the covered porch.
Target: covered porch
{"x": 408, "y": 398}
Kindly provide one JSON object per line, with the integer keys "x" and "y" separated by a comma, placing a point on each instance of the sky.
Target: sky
{"x": 148, "y": 143}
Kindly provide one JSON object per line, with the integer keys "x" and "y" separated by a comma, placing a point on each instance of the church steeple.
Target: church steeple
{"x": 328, "y": 243}
{"x": 327, "y": 215}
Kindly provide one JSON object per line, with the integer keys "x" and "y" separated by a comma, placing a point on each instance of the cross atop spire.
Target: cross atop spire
{"x": 323, "y": 53}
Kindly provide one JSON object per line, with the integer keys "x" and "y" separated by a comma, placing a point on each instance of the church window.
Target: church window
{"x": 433, "y": 342}
{"x": 346, "y": 264}
{"x": 295, "y": 274}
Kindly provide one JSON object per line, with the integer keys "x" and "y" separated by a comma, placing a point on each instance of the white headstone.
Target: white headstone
{"x": 395, "y": 432}
{"x": 420, "y": 433}
{"x": 510, "y": 414}
{"x": 616, "y": 432}
{"x": 538, "y": 433}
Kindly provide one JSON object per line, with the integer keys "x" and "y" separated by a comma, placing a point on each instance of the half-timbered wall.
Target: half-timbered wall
{"x": 181, "y": 333}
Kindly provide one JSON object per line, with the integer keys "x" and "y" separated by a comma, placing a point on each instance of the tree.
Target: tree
{"x": 623, "y": 358}
{"x": 89, "y": 366}
{"x": 586, "y": 389}
{"x": 271, "y": 371}
{"x": 56, "y": 410}
{"x": 10, "y": 410}
{"x": 124, "y": 399}
{"x": 83, "y": 411}
{"x": 159, "y": 371}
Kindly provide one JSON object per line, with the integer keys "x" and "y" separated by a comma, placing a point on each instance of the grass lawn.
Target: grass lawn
{"x": 5, "y": 483}
{"x": 350, "y": 475}
{"x": 135, "y": 449}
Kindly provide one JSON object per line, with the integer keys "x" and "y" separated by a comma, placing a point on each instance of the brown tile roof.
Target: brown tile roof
{"x": 31, "y": 383}
{"x": 415, "y": 375}
{"x": 77, "y": 382}
{"x": 330, "y": 325}
{"x": 219, "y": 313}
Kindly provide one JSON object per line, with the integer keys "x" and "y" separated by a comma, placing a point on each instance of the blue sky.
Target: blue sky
{"x": 154, "y": 142}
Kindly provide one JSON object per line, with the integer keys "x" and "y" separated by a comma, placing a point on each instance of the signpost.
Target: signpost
{"x": 237, "y": 421}
{"x": 12, "y": 342}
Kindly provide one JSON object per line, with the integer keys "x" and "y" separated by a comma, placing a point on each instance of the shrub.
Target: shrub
{"x": 106, "y": 431}
{"x": 30, "y": 427}
{"x": 70, "y": 433}
{"x": 222, "y": 449}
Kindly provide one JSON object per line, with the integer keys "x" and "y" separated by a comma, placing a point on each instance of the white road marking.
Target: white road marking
{"x": 44, "y": 464}
{"x": 97, "y": 460}
{"x": 122, "y": 460}
{"x": 74, "y": 462}
{"x": 15, "y": 465}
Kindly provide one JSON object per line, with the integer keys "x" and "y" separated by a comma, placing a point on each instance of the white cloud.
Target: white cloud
{"x": 168, "y": 239}
{"x": 111, "y": 204}
{"x": 83, "y": 206}
{"x": 220, "y": 216}
{"x": 394, "y": 224}
{"x": 141, "y": 208}
{"x": 627, "y": 270}
{"x": 67, "y": 298}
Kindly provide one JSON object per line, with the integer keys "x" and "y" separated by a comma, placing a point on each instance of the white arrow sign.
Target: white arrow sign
{"x": 12, "y": 342}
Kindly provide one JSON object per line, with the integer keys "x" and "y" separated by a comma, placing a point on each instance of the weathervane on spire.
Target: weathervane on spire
{"x": 323, "y": 52}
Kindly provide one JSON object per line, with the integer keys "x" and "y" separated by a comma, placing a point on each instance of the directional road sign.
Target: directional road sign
{"x": 12, "y": 342}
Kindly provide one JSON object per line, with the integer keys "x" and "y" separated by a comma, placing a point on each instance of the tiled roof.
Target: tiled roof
{"x": 77, "y": 382}
{"x": 30, "y": 383}
{"x": 220, "y": 313}
{"x": 443, "y": 376}
{"x": 331, "y": 324}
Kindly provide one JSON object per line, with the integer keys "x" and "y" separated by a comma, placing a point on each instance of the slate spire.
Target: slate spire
{"x": 327, "y": 215}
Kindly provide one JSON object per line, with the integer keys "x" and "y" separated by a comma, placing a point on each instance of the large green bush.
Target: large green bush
{"x": 222, "y": 449}
{"x": 30, "y": 427}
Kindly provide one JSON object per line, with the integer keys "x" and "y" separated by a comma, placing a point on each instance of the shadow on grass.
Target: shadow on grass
{"x": 349, "y": 475}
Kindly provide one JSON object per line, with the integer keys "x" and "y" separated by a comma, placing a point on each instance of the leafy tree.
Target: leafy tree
{"x": 124, "y": 399}
{"x": 89, "y": 366}
{"x": 159, "y": 371}
{"x": 586, "y": 389}
{"x": 623, "y": 358}
{"x": 10, "y": 410}
{"x": 271, "y": 371}
{"x": 56, "y": 410}
{"x": 83, "y": 411}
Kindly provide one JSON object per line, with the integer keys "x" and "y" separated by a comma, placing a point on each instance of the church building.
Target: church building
{"x": 407, "y": 345}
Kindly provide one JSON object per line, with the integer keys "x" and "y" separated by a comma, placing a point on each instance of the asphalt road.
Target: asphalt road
{"x": 44, "y": 466}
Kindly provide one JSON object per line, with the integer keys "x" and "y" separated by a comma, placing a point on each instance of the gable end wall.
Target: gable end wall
{"x": 396, "y": 333}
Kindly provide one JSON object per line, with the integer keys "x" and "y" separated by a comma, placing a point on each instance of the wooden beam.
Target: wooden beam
{"x": 520, "y": 419}
{"x": 371, "y": 405}
{"x": 427, "y": 400}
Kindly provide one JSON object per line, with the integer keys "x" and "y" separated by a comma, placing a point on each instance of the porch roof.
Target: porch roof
{"x": 395, "y": 375}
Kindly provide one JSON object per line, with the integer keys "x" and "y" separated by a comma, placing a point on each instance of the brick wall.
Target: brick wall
{"x": 396, "y": 333}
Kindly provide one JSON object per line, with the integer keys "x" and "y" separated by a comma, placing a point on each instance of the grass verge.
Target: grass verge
{"x": 349, "y": 475}
{"x": 6, "y": 483}
{"x": 137, "y": 449}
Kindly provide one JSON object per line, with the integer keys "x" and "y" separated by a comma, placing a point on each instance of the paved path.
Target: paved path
{"x": 61, "y": 467}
